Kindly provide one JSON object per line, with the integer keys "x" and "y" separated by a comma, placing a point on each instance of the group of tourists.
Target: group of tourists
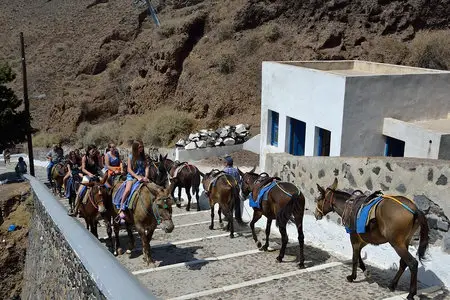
{"x": 94, "y": 165}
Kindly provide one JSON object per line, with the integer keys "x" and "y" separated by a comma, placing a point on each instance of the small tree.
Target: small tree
{"x": 14, "y": 124}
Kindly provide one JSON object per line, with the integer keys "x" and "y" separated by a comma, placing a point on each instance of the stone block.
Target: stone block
{"x": 446, "y": 243}
{"x": 432, "y": 221}
{"x": 422, "y": 202}
{"x": 193, "y": 136}
{"x": 442, "y": 180}
{"x": 181, "y": 143}
{"x": 201, "y": 144}
{"x": 190, "y": 146}
{"x": 442, "y": 225}
{"x": 229, "y": 141}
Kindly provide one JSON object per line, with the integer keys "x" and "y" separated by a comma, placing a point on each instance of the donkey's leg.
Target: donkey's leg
{"x": 412, "y": 264}
{"x": 231, "y": 223}
{"x": 220, "y": 216}
{"x": 94, "y": 228}
{"x": 284, "y": 241}
{"x": 179, "y": 195}
{"x": 149, "y": 234}
{"x": 145, "y": 246}
{"x": 301, "y": 240}
{"x": 109, "y": 231}
{"x": 401, "y": 269}
{"x": 197, "y": 191}
{"x": 188, "y": 193}
{"x": 131, "y": 242}
{"x": 356, "y": 245}
{"x": 256, "y": 216}
{"x": 212, "y": 217}
{"x": 268, "y": 225}
{"x": 116, "y": 244}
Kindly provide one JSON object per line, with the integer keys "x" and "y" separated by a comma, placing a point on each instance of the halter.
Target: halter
{"x": 91, "y": 198}
{"x": 155, "y": 210}
{"x": 325, "y": 201}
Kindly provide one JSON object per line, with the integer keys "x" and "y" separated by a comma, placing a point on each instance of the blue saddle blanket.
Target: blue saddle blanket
{"x": 69, "y": 187}
{"x": 118, "y": 196}
{"x": 363, "y": 215}
{"x": 261, "y": 195}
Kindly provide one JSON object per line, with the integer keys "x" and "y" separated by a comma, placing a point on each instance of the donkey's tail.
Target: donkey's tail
{"x": 424, "y": 238}
{"x": 295, "y": 206}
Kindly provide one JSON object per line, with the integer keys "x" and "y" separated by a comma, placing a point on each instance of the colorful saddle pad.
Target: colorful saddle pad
{"x": 262, "y": 195}
{"x": 129, "y": 201}
{"x": 364, "y": 216}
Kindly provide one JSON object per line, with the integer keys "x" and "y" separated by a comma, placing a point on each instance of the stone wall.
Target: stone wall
{"x": 424, "y": 181}
{"x": 65, "y": 261}
{"x": 52, "y": 270}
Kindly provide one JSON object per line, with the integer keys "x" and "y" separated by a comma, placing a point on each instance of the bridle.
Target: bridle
{"x": 91, "y": 198}
{"x": 325, "y": 202}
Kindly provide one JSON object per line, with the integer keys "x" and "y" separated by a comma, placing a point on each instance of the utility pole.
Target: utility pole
{"x": 27, "y": 106}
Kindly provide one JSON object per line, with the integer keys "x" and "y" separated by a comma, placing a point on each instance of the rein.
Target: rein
{"x": 325, "y": 201}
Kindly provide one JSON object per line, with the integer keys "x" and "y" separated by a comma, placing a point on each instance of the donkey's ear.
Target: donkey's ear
{"x": 201, "y": 174}
{"x": 165, "y": 156}
{"x": 253, "y": 170}
{"x": 321, "y": 190}
{"x": 334, "y": 185}
{"x": 160, "y": 157}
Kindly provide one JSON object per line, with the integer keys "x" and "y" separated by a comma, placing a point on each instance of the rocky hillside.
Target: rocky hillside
{"x": 97, "y": 60}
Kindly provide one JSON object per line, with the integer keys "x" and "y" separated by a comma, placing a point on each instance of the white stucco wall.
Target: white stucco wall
{"x": 370, "y": 99}
{"x": 417, "y": 139}
{"x": 308, "y": 95}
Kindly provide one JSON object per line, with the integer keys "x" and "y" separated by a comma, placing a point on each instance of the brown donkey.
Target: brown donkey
{"x": 151, "y": 207}
{"x": 157, "y": 171}
{"x": 92, "y": 205}
{"x": 57, "y": 174}
{"x": 184, "y": 175}
{"x": 284, "y": 200}
{"x": 396, "y": 220}
{"x": 223, "y": 189}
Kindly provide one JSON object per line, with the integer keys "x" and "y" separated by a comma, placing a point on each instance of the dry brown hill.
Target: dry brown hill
{"x": 97, "y": 60}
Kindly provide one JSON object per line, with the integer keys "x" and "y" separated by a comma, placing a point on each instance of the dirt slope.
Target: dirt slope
{"x": 94, "y": 61}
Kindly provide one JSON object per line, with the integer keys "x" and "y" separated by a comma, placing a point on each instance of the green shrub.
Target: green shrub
{"x": 167, "y": 125}
{"x": 133, "y": 128}
{"x": 101, "y": 134}
{"x": 226, "y": 63}
{"x": 45, "y": 139}
{"x": 431, "y": 49}
{"x": 272, "y": 33}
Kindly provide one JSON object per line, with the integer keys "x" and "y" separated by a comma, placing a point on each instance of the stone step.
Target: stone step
{"x": 227, "y": 271}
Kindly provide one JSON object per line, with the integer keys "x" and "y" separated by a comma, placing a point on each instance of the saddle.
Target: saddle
{"x": 262, "y": 182}
{"x": 179, "y": 167}
{"x": 215, "y": 175}
{"x": 356, "y": 203}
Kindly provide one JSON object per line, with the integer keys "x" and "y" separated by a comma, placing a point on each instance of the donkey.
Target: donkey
{"x": 152, "y": 207}
{"x": 284, "y": 200}
{"x": 397, "y": 218}
{"x": 157, "y": 172}
{"x": 223, "y": 189}
{"x": 57, "y": 175}
{"x": 92, "y": 204}
{"x": 184, "y": 175}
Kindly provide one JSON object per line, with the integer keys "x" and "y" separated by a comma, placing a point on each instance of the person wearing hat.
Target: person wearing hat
{"x": 54, "y": 156}
{"x": 230, "y": 170}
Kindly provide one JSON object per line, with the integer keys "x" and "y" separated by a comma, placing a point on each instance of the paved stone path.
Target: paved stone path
{"x": 198, "y": 263}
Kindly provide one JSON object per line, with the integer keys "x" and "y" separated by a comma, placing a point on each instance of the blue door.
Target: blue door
{"x": 274, "y": 128}
{"x": 297, "y": 137}
{"x": 394, "y": 147}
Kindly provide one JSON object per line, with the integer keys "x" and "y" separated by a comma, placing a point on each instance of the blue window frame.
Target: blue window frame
{"x": 323, "y": 142}
{"x": 394, "y": 147}
{"x": 297, "y": 137}
{"x": 274, "y": 117}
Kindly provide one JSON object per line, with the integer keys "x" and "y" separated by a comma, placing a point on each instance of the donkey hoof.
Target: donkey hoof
{"x": 367, "y": 273}
{"x": 263, "y": 248}
{"x": 279, "y": 259}
{"x": 211, "y": 227}
{"x": 391, "y": 287}
{"x": 188, "y": 208}
{"x": 350, "y": 278}
{"x": 128, "y": 251}
{"x": 115, "y": 253}
{"x": 410, "y": 297}
{"x": 179, "y": 205}
{"x": 301, "y": 265}
{"x": 231, "y": 235}
{"x": 259, "y": 245}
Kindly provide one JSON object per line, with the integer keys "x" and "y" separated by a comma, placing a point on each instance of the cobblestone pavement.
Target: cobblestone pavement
{"x": 224, "y": 268}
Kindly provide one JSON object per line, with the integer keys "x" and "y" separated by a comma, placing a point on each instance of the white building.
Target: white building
{"x": 354, "y": 108}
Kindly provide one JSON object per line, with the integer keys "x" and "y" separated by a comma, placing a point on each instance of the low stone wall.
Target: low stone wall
{"x": 199, "y": 154}
{"x": 424, "y": 181}
{"x": 65, "y": 261}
